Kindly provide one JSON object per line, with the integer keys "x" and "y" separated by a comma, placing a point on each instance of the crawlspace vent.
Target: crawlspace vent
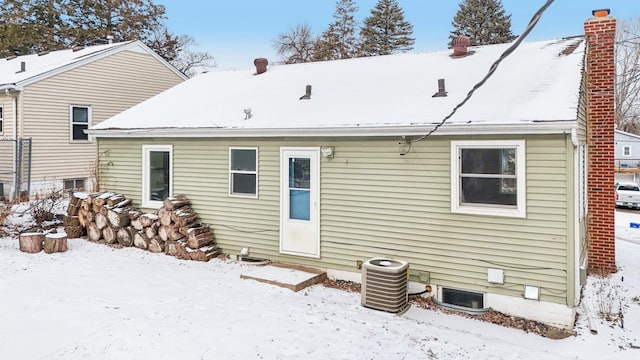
{"x": 384, "y": 284}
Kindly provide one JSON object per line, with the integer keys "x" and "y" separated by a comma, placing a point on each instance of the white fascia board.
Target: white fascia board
{"x": 562, "y": 127}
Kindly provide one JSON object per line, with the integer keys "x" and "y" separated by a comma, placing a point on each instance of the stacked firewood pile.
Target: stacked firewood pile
{"x": 173, "y": 229}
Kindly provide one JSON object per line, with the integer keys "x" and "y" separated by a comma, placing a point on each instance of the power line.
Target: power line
{"x": 532, "y": 23}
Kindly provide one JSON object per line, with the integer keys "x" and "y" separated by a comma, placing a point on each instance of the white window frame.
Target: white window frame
{"x": 231, "y": 172}
{"x": 71, "y": 122}
{"x": 146, "y": 176}
{"x": 626, "y": 153}
{"x": 518, "y": 211}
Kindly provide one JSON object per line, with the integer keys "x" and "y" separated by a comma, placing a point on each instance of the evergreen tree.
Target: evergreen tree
{"x": 385, "y": 31}
{"x": 339, "y": 40}
{"x": 483, "y": 22}
{"x": 28, "y": 26}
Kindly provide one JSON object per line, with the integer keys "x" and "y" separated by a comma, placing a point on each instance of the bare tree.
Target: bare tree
{"x": 178, "y": 51}
{"x": 627, "y": 96}
{"x": 297, "y": 45}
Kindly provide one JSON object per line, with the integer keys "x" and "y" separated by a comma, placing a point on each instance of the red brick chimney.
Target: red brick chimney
{"x": 600, "y": 66}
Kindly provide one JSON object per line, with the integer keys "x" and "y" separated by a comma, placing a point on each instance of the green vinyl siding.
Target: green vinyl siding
{"x": 375, "y": 202}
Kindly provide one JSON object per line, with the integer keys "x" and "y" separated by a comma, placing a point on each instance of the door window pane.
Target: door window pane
{"x": 299, "y": 204}
{"x": 300, "y": 173}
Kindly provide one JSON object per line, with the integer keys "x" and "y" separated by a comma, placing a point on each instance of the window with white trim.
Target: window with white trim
{"x": 157, "y": 174}
{"x": 243, "y": 171}
{"x": 488, "y": 177}
{"x": 80, "y": 117}
{"x": 626, "y": 150}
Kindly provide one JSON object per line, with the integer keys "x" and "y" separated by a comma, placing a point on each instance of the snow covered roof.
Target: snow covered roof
{"x": 535, "y": 89}
{"x": 45, "y": 64}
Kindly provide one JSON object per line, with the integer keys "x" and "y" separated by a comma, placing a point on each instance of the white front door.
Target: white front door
{"x": 300, "y": 201}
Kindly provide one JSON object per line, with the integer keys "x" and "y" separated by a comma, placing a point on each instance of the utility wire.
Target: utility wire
{"x": 494, "y": 66}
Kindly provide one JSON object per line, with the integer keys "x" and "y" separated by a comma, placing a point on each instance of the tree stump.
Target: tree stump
{"x": 55, "y": 243}
{"x": 31, "y": 242}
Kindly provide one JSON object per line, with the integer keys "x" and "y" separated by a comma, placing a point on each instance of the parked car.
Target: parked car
{"x": 628, "y": 195}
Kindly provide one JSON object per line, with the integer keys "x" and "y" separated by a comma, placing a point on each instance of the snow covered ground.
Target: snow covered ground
{"x": 96, "y": 302}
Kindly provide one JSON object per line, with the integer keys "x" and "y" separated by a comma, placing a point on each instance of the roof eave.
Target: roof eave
{"x": 555, "y": 127}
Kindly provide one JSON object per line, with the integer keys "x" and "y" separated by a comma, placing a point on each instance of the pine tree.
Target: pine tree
{"x": 339, "y": 40}
{"x": 386, "y": 31}
{"x": 483, "y": 22}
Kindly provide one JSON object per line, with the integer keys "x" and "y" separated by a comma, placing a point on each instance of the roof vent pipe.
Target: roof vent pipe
{"x": 23, "y": 67}
{"x": 109, "y": 39}
{"x": 261, "y": 65}
{"x": 442, "y": 92}
{"x": 307, "y": 94}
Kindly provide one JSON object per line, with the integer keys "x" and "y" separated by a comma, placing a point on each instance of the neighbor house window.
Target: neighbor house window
{"x": 157, "y": 174}
{"x": 626, "y": 150}
{"x": 488, "y": 177}
{"x": 243, "y": 171}
{"x": 1, "y": 119}
{"x": 80, "y": 121}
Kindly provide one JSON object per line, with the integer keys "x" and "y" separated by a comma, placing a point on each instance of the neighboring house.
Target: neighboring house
{"x": 326, "y": 165}
{"x": 52, "y": 97}
{"x": 627, "y": 157}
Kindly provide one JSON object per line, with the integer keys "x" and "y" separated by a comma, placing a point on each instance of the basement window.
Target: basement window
{"x": 467, "y": 299}
{"x": 73, "y": 185}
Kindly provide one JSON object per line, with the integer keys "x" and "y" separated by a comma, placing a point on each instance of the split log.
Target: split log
{"x": 91, "y": 198}
{"x": 156, "y": 245}
{"x": 165, "y": 217}
{"x": 184, "y": 217}
{"x": 31, "y": 242}
{"x": 93, "y": 232}
{"x": 82, "y": 217}
{"x": 198, "y": 237}
{"x": 169, "y": 233}
{"x": 125, "y": 236}
{"x": 110, "y": 235}
{"x": 75, "y": 203}
{"x": 118, "y": 217}
{"x": 104, "y": 210}
{"x": 102, "y": 198}
{"x": 204, "y": 254}
{"x": 96, "y": 208}
{"x": 140, "y": 240}
{"x": 70, "y": 220}
{"x": 175, "y": 202}
{"x": 101, "y": 221}
{"x": 55, "y": 243}
{"x": 150, "y": 231}
{"x": 177, "y": 249}
{"x": 72, "y": 226}
{"x": 134, "y": 214}
{"x": 115, "y": 200}
{"x": 148, "y": 219}
{"x": 137, "y": 224}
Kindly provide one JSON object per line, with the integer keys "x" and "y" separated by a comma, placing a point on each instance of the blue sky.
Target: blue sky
{"x": 237, "y": 31}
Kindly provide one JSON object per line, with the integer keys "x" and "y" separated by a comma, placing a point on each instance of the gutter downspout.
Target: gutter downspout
{"x": 15, "y": 139}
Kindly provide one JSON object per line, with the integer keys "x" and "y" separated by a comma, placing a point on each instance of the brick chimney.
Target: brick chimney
{"x": 600, "y": 66}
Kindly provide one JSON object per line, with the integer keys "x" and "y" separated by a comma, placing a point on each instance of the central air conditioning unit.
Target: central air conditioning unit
{"x": 384, "y": 284}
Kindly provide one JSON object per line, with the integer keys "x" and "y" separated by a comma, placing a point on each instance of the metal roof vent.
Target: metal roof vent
{"x": 442, "y": 92}
{"x": 384, "y": 285}
{"x": 23, "y": 67}
{"x": 307, "y": 94}
{"x": 460, "y": 46}
{"x": 261, "y": 65}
